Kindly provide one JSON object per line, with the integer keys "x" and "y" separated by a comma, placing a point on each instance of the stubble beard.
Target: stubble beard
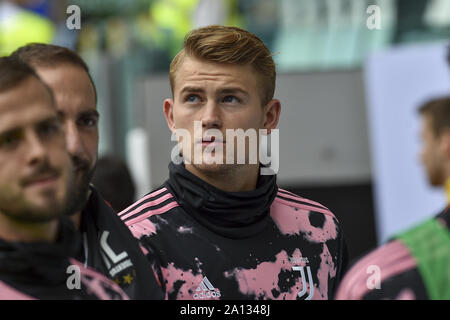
{"x": 23, "y": 211}
{"x": 80, "y": 192}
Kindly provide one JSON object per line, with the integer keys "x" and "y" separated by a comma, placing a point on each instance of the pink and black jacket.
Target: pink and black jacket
{"x": 263, "y": 244}
{"x": 30, "y": 271}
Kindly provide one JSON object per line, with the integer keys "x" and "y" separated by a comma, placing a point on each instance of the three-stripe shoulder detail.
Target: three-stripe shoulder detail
{"x": 156, "y": 202}
{"x": 294, "y": 200}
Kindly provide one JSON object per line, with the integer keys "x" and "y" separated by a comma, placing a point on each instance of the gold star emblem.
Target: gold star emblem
{"x": 117, "y": 281}
{"x": 128, "y": 278}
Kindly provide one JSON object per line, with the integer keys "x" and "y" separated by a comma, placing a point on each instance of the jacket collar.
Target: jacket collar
{"x": 230, "y": 214}
{"x": 40, "y": 262}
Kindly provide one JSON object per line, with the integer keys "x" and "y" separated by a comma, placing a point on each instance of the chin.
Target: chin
{"x": 48, "y": 206}
{"x": 37, "y": 213}
{"x": 213, "y": 168}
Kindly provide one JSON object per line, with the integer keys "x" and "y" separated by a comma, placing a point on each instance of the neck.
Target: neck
{"x": 16, "y": 231}
{"x": 231, "y": 179}
{"x": 76, "y": 219}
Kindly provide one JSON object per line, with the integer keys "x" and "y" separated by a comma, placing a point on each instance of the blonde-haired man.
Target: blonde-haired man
{"x": 218, "y": 228}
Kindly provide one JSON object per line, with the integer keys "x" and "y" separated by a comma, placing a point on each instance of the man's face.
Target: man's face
{"x": 35, "y": 168}
{"x": 221, "y": 96}
{"x": 431, "y": 155}
{"x": 75, "y": 101}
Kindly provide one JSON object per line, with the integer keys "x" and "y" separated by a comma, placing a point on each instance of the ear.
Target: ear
{"x": 168, "y": 113}
{"x": 272, "y": 115}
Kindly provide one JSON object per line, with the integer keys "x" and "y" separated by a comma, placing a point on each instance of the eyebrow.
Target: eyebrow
{"x": 233, "y": 90}
{"x": 82, "y": 114}
{"x": 10, "y": 131}
{"x": 37, "y": 123}
{"x": 191, "y": 89}
{"x": 220, "y": 91}
{"x": 90, "y": 113}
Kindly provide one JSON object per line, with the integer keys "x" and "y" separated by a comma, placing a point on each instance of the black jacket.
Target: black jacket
{"x": 110, "y": 248}
{"x": 45, "y": 271}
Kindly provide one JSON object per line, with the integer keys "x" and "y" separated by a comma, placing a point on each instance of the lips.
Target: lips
{"x": 211, "y": 144}
{"x": 211, "y": 140}
{"x": 208, "y": 139}
{"x": 41, "y": 180}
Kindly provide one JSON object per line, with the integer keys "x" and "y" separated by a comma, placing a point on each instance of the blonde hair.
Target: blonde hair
{"x": 229, "y": 45}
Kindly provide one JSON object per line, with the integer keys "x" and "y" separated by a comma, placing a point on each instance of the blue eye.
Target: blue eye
{"x": 192, "y": 98}
{"x": 231, "y": 99}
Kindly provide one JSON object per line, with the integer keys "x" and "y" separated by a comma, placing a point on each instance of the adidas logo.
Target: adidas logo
{"x": 206, "y": 290}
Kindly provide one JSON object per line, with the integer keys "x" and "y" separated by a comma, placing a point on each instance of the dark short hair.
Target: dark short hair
{"x": 439, "y": 111}
{"x": 49, "y": 55}
{"x": 13, "y": 72}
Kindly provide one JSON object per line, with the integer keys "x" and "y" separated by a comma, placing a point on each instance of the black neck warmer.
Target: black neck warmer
{"x": 39, "y": 262}
{"x": 230, "y": 214}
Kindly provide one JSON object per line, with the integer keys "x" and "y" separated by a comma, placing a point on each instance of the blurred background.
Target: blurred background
{"x": 349, "y": 130}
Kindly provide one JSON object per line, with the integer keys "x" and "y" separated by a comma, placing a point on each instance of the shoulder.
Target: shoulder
{"x": 293, "y": 213}
{"x": 156, "y": 203}
{"x": 285, "y": 198}
{"x": 9, "y": 293}
{"x": 444, "y": 217}
{"x": 103, "y": 287}
{"x": 375, "y": 269}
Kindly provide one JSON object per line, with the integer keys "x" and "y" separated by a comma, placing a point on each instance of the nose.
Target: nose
{"x": 37, "y": 152}
{"x": 73, "y": 140}
{"x": 211, "y": 117}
